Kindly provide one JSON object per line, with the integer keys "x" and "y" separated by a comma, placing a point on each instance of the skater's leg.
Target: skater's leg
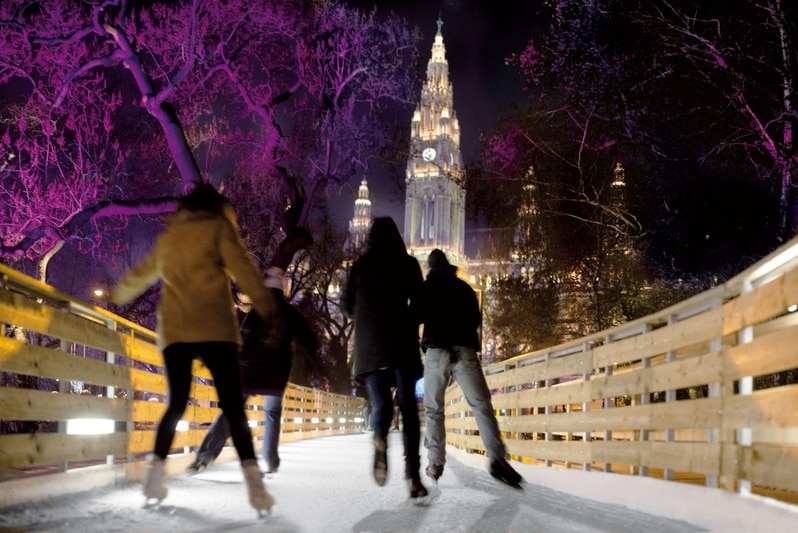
{"x": 437, "y": 364}
{"x": 273, "y": 407}
{"x": 406, "y": 398}
{"x": 468, "y": 373}
{"x": 215, "y": 438}
{"x": 221, "y": 358}
{"x": 411, "y": 434}
{"x": 177, "y": 360}
{"x": 379, "y": 386}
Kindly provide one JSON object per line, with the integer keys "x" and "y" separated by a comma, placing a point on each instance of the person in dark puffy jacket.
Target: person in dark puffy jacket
{"x": 449, "y": 310}
{"x": 265, "y": 365}
{"x": 380, "y": 285}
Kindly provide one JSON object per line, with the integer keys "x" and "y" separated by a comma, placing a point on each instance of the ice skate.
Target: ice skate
{"x": 501, "y": 470}
{"x": 155, "y": 489}
{"x": 380, "y": 460}
{"x": 434, "y": 472}
{"x": 200, "y": 463}
{"x": 416, "y": 489}
{"x": 259, "y": 498}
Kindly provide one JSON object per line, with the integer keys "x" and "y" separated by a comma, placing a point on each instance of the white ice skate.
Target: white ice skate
{"x": 259, "y": 498}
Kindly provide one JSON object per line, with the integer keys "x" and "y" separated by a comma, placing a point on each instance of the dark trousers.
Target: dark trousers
{"x": 221, "y": 358}
{"x": 379, "y": 385}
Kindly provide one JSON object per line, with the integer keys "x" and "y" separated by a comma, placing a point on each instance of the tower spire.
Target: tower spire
{"x": 435, "y": 197}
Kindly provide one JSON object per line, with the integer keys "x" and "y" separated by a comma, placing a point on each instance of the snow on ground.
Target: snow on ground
{"x": 325, "y": 485}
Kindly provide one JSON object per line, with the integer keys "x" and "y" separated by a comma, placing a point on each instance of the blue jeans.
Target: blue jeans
{"x": 219, "y": 432}
{"x": 379, "y": 385}
{"x": 461, "y": 363}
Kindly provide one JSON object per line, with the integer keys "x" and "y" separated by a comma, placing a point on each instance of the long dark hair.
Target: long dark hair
{"x": 384, "y": 238}
{"x": 204, "y": 198}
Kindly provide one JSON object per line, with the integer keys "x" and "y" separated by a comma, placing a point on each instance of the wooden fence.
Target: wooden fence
{"x": 696, "y": 393}
{"x": 64, "y": 362}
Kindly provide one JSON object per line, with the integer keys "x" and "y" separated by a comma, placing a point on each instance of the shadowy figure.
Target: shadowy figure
{"x": 380, "y": 284}
{"x": 194, "y": 258}
{"x": 265, "y": 368}
{"x": 449, "y": 310}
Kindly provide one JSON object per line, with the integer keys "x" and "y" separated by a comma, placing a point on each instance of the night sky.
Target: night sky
{"x": 478, "y": 36}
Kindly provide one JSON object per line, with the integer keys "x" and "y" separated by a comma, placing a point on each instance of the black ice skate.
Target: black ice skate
{"x": 434, "y": 472}
{"x": 199, "y": 464}
{"x": 501, "y": 470}
{"x": 416, "y": 489}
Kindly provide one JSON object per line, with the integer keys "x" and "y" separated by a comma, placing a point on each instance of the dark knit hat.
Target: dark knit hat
{"x": 437, "y": 259}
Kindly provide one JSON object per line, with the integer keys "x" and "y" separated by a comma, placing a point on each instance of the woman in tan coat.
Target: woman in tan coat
{"x": 195, "y": 258}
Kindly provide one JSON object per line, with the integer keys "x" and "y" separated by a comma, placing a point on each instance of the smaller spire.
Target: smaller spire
{"x": 440, "y": 23}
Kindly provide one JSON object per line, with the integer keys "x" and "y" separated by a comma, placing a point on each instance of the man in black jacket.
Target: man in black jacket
{"x": 448, "y": 308}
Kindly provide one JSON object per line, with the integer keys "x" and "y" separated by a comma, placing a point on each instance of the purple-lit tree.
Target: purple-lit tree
{"x": 288, "y": 93}
{"x": 741, "y": 58}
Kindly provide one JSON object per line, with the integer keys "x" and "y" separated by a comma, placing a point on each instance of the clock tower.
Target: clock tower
{"x": 435, "y": 196}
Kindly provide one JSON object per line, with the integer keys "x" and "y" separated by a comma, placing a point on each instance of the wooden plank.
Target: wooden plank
{"x": 772, "y": 466}
{"x": 22, "y": 311}
{"x": 140, "y": 350}
{"x": 144, "y": 381}
{"x": 693, "y": 330}
{"x": 574, "y": 392}
{"x": 696, "y": 457}
{"x": 569, "y": 451}
{"x": 29, "y": 404}
{"x": 46, "y": 448}
{"x": 769, "y": 408}
{"x": 147, "y": 411}
{"x": 51, "y": 363}
{"x": 569, "y": 365}
{"x": 770, "y": 353}
{"x": 766, "y": 465}
{"x": 682, "y": 373}
{"x": 766, "y": 301}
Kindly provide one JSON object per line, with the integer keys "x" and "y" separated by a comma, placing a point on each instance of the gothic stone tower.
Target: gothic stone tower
{"x": 361, "y": 221}
{"x": 435, "y": 196}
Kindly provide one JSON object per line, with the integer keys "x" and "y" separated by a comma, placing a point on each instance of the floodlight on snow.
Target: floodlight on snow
{"x": 89, "y": 426}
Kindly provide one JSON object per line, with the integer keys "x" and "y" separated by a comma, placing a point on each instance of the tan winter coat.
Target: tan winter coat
{"x": 195, "y": 258}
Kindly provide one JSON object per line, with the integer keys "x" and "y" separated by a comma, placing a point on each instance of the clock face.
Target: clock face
{"x": 428, "y": 154}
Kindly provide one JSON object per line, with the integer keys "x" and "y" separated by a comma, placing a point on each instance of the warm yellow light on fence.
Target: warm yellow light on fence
{"x": 89, "y": 426}
{"x": 298, "y": 420}
{"x": 314, "y": 420}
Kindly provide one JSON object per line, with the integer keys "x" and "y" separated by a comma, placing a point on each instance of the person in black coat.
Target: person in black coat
{"x": 449, "y": 310}
{"x": 380, "y": 285}
{"x": 265, "y": 362}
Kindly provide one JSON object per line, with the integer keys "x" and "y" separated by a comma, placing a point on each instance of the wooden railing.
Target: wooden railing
{"x": 63, "y": 360}
{"x": 698, "y": 392}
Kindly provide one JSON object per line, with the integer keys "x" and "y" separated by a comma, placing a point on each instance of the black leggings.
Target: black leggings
{"x": 221, "y": 358}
